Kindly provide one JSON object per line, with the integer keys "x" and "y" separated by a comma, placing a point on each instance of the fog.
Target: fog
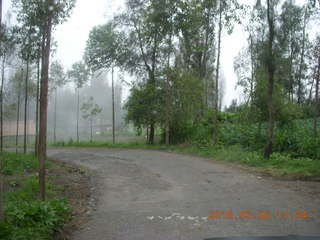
{"x": 99, "y": 87}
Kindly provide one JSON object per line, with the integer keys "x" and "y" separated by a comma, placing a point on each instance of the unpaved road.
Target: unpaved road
{"x": 155, "y": 195}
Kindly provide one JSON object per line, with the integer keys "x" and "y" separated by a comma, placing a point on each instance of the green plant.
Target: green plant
{"x": 12, "y": 163}
{"x": 36, "y": 219}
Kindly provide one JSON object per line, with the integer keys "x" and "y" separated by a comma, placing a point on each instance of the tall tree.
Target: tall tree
{"x": 1, "y": 184}
{"x": 57, "y": 78}
{"x": 316, "y": 98}
{"x": 103, "y": 53}
{"x": 79, "y": 74}
{"x": 271, "y": 69}
{"x": 215, "y": 127}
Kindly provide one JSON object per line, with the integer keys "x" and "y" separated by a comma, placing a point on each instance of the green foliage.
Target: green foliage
{"x": 11, "y": 163}
{"x": 79, "y": 74}
{"x": 25, "y": 216}
{"x": 34, "y": 220}
{"x": 103, "y": 47}
{"x": 143, "y": 101}
{"x": 90, "y": 109}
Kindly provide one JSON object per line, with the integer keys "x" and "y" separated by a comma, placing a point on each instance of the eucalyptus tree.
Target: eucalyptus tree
{"x": 103, "y": 52}
{"x": 57, "y": 78}
{"x": 229, "y": 12}
{"x": 42, "y": 16}
{"x": 270, "y": 65}
{"x": 196, "y": 24}
{"x": 6, "y": 51}
{"x": 1, "y": 183}
{"x": 79, "y": 74}
{"x": 316, "y": 97}
{"x": 144, "y": 30}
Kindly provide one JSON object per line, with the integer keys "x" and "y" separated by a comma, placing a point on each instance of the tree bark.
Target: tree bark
{"x": 271, "y": 69}
{"x": 26, "y": 107}
{"x": 168, "y": 94}
{"x": 1, "y": 103}
{"x": 316, "y": 101}
{"x": 36, "y": 141}
{"x": 215, "y": 117}
{"x": 44, "y": 102}
{"x": 55, "y": 115}
{"x": 78, "y": 95}
{"x": 18, "y": 112}
{"x": 1, "y": 185}
{"x": 91, "y": 127}
{"x": 113, "y": 117}
{"x": 302, "y": 57}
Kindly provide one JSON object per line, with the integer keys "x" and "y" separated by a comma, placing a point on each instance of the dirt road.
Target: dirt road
{"x": 142, "y": 194}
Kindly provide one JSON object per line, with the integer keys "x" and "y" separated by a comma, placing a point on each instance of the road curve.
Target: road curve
{"x": 144, "y": 194}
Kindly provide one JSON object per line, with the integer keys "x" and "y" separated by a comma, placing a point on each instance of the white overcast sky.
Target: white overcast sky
{"x": 72, "y": 35}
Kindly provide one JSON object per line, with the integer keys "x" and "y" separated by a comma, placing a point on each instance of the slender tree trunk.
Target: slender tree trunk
{"x": 147, "y": 133}
{"x": 18, "y": 112}
{"x": 151, "y": 134}
{"x": 78, "y": 101}
{"x": 1, "y": 104}
{"x": 302, "y": 57}
{"x": 316, "y": 100}
{"x": 44, "y": 103}
{"x": 1, "y": 184}
{"x": 113, "y": 117}
{"x": 314, "y": 78}
{"x": 271, "y": 69}
{"x": 36, "y": 141}
{"x": 168, "y": 94}
{"x": 215, "y": 117}
{"x": 91, "y": 127}
{"x": 55, "y": 115}
{"x": 26, "y": 107}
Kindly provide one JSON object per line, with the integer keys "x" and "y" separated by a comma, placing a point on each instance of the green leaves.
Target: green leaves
{"x": 103, "y": 48}
{"x": 90, "y": 109}
{"x": 57, "y": 77}
{"x": 79, "y": 74}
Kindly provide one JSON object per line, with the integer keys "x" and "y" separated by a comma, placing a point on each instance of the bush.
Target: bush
{"x": 12, "y": 163}
{"x": 34, "y": 220}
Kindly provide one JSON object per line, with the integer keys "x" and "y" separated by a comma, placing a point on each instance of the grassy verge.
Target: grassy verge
{"x": 25, "y": 216}
{"x": 280, "y": 165}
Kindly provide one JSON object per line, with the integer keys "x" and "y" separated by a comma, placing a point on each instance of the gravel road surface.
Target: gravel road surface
{"x": 156, "y": 195}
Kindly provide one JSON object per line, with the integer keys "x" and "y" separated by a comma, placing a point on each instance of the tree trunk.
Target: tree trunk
{"x": 55, "y": 115}
{"x": 215, "y": 117}
{"x": 78, "y": 114}
{"x": 270, "y": 66}
{"x": 151, "y": 134}
{"x": 91, "y": 127}
{"x": 168, "y": 94}
{"x": 302, "y": 57}
{"x": 311, "y": 88}
{"x": 113, "y": 117}
{"x": 18, "y": 112}
{"x": 26, "y": 107}
{"x": 44, "y": 102}
{"x": 1, "y": 185}
{"x": 147, "y": 133}
{"x": 316, "y": 100}
{"x": 36, "y": 141}
{"x": 1, "y": 104}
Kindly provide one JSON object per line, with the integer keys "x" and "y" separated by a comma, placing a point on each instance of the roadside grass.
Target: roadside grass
{"x": 25, "y": 216}
{"x": 279, "y": 164}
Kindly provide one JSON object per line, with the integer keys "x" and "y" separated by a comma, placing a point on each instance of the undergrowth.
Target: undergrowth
{"x": 25, "y": 216}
